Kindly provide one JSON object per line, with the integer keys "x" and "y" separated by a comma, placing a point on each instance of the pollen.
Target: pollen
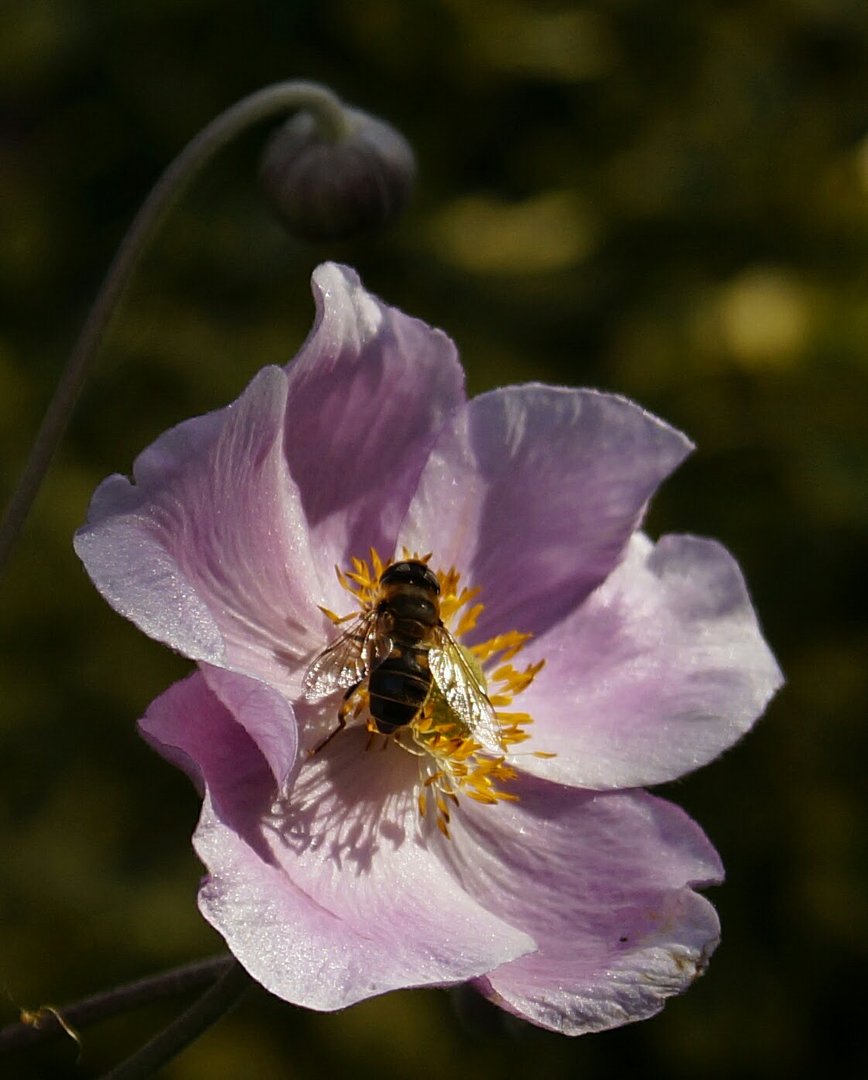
{"x": 463, "y": 734}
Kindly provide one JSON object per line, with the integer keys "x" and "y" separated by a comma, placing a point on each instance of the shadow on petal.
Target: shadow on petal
{"x": 351, "y": 801}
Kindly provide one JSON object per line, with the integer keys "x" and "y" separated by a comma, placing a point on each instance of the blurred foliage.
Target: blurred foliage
{"x": 668, "y": 200}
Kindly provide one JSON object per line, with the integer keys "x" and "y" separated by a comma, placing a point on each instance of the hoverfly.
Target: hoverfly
{"x": 401, "y": 648}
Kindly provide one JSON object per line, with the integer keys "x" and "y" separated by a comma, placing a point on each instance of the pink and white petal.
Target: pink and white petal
{"x": 575, "y": 997}
{"x": 603, "y": 883}
{"x": 663, "y": 667}
{"x": 211, "y": 555}
{"x": 348, "y": 839}
{"x": 370, "y": 390}
{"x": 129, "y": 564}
{"x": 533, "y": 491}
{"x": 326, "y": 897}
{"x": 300, "y": 950}
{"x": 264, "y": 714}
{"x": 191, "y": 728}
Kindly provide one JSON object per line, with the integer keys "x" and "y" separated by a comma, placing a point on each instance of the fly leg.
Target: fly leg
{"x": 343, "y": 712}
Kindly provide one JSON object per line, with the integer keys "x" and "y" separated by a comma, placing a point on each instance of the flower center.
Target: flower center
{"x": 458, "y": 723}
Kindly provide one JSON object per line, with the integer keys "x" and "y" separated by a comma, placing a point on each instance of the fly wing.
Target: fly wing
{"x": 464, "y": 692}
{"x": 343, "y": 664}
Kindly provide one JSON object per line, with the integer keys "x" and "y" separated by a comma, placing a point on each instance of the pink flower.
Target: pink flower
{"x": 540, "y": 873}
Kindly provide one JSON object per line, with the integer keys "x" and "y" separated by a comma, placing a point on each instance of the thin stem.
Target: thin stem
{"x": 224, "y": 995}
{"x": 331, "y": 117}
{"x": 50, "y": 1022}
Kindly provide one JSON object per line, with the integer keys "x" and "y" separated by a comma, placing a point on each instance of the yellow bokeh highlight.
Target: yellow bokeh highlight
{"x": 567, "y": 43}
{"x": 761, "y": 319}
{"x": 485, "y": 235}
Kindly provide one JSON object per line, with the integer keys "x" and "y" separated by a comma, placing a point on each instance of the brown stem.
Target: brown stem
{"x": 51, "y": 1022}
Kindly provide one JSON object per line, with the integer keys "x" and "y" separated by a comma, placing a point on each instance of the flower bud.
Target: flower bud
{"x": 329, "y": 187}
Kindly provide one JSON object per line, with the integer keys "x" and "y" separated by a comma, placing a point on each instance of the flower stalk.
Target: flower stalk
{"x": 222, "y": 997}
{"x": 329, "y": 115}
{"x": 48, "y": 1023}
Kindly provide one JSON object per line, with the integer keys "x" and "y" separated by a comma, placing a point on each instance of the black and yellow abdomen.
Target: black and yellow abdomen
{"x": 399, "y": 685}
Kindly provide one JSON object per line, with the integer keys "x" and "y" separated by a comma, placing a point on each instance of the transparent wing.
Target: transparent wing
{"x": 348, "y": 659}
{"x": 464, "y": 692}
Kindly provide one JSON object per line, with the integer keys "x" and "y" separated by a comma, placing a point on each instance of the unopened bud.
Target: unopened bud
{"x": 326, "y": 187}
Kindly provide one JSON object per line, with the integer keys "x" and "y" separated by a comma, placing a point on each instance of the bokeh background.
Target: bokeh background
{"x": 669, "y": 200}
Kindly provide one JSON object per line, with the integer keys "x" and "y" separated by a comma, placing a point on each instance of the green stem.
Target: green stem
{"x": 280, "y": 97}
{"x": 45, "y": 1024}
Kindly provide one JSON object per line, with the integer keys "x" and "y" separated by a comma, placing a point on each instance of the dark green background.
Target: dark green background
{"x": 669, "y": 200}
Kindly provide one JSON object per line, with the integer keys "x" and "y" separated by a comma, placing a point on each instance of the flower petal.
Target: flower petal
{"x": 533, "y": 491}
{"x": 207, "y": 551}
{"x": 265, "y": 715}
{"x": 226, "y": 542}
{"x": 603, "y": 883}
{"x": 328, "y": 897}
{"x": 190, "y": 727}
{"x": 662, "y": 668}
{"x": 370, "y": 390}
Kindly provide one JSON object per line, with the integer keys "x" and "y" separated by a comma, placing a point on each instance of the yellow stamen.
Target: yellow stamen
{"x": 336, "y": 619}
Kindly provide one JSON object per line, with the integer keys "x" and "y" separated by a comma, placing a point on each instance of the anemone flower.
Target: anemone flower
{"x": 495, "y": 833}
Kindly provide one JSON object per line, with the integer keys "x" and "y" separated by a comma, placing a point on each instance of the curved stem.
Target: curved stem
{"x": 331, "y": 117}
{"x": 48, "y": 1022}
{"x": 224, "y": 995}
